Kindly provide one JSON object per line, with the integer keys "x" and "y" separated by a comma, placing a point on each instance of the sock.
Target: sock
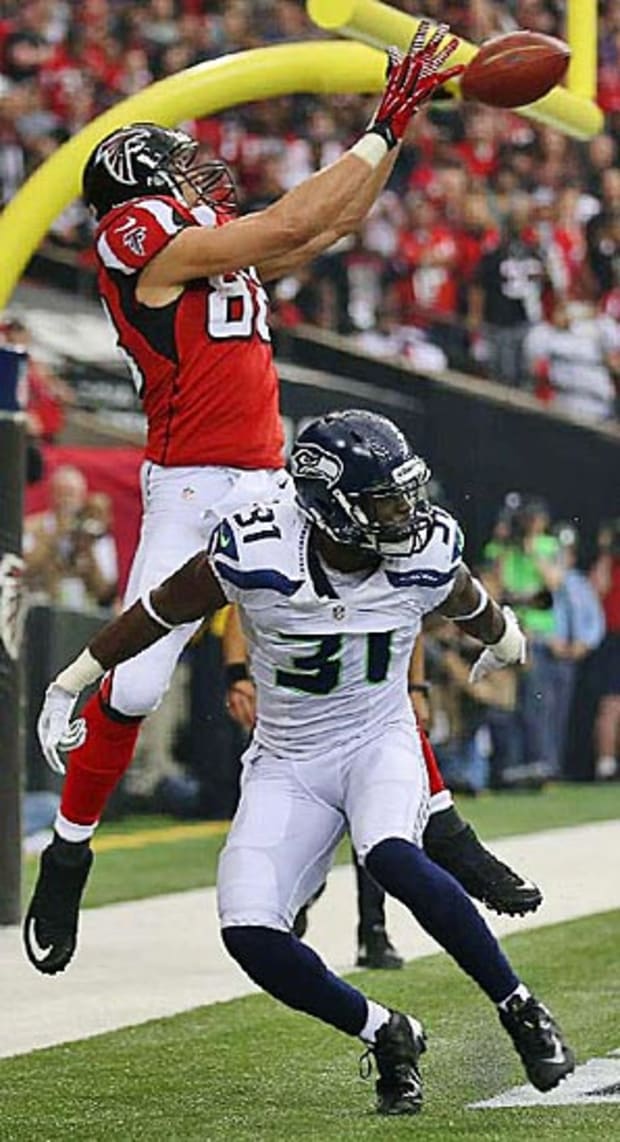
{"x": 605, "y": 767}
{"x": 69, "y": 853}
{"x": 520, "y": 992}
{"x": 444, "y": 824}
{"x": 96, "y": 767}
{"x": 291, "y": 972}
{"x": 445, "y": 911}
{"x": 378, "y": 1016}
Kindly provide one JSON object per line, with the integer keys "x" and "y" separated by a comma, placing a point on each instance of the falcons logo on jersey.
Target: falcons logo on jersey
{"x": 120, "y": 155}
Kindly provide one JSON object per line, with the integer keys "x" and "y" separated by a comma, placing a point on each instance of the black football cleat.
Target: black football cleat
{"x": 397, "y": 1049}
{"x": 481, "y": 874}
{"x": 538, "y": 1039}
{"x": 375, "y": 950}
{"x": 51, "y": 923}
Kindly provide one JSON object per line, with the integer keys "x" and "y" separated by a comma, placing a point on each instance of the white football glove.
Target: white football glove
{"x": 511, "y": 648}
{"x": 54, "y": 726}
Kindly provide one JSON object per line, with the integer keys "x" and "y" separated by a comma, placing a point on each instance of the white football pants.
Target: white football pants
{"x": 292, "y": 814}
{"x": 181, "y": 507}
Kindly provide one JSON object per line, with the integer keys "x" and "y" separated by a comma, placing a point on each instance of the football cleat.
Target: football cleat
{"x": 51, "y": 923}
{"x": 375, "y": 950}
{"x": 396, "y": 1050}
{"x": 482, "y": 875}
{"x": 546, "y": 1057}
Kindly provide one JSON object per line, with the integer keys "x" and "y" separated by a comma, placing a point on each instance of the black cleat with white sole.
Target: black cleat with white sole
{"x": 481, "y": 874}
{"x": 538, "y": 1039}
{"x": 51, "y": 923}
{"x": 397, "y": 1049}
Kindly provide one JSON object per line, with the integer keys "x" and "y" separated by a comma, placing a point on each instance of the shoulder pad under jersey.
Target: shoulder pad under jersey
{"x": 130, "y": 236}
{"x": 259, "y": 549}
{"x": 437, "y": 564}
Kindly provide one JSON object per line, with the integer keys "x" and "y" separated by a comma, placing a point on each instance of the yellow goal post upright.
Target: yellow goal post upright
{"x": 321, "y": 68}
{"x": 570, "y": 109}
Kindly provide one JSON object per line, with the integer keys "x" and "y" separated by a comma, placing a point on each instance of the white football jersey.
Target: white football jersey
{"x": 329, "y": 651}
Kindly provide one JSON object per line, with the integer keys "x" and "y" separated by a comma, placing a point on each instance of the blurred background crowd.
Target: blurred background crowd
{"x": 495, "y": 248}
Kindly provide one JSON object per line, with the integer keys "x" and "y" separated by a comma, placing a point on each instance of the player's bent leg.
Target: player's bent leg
{"x": 277, "y": 855}
{"x": 452, "y": 843}
{"x": 293, "y": 973}
{"x": 97, "y": 765}
{"x": 51, "y": 922}
{"x": 446, "y": 912}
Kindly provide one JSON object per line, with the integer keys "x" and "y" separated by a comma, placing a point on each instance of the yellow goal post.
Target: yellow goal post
{"x": 317, "y": 67}
{"x": 570, "y": 109}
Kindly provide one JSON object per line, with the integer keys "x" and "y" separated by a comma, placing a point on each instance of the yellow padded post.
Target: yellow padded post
{"x": 380, "y": 25}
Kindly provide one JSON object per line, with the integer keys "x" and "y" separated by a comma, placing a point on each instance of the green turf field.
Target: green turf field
{"x": 249, "y": 1070}
{"x": 147, "y": 856}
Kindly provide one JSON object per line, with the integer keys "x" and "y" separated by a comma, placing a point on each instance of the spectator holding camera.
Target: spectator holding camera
{"x": 69, "y": 551}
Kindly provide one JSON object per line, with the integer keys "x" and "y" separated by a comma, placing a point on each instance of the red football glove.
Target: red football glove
{"x": 412, "y": 79}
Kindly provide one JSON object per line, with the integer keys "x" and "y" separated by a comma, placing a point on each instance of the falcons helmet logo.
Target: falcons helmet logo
{"x": 121, "y": 154}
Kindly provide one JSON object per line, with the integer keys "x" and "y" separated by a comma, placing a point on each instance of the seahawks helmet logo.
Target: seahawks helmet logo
{"x": 121, "y": 153}
{"x": 311, "y": 462}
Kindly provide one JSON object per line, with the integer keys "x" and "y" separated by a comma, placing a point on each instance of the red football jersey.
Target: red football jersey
{"x": 203, "y": 365}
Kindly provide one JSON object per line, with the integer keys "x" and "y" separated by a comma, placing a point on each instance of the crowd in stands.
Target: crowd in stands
{"x": 495, "y": 248}
{"x": 520, "y": 728}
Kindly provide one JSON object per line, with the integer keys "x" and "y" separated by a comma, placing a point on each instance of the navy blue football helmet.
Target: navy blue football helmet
{"x": 144, "y": 158}
{"x": 357, "y": 477}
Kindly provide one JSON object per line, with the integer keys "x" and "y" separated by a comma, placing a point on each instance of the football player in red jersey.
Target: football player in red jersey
{"x": 180, "y": 279}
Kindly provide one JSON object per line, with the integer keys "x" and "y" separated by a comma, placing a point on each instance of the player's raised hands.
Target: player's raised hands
{"x": 412, "y": 78}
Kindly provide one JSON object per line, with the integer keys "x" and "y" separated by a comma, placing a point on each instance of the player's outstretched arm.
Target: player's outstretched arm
{"x": 318, "y": 203}
{"x": 191, "y": 593}
{"x": 480, "y": 616}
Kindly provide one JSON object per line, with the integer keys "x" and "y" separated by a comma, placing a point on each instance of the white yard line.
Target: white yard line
{"x": 156, "y": 957}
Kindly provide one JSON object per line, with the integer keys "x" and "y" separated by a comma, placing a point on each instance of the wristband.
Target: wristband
{"x": 372, "y": 148}
{"x": 236, "y": 672}
{"x": 511, "y": 647}
{"x": 420, "y": 688}
{"x": 80, "y": 673}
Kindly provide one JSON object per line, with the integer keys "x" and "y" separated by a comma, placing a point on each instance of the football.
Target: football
{"x": 515, "y": 69}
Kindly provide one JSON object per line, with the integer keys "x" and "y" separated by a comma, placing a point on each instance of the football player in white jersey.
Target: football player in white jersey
{"x": 448, "y": 839}
{"x": 332, "y": 587}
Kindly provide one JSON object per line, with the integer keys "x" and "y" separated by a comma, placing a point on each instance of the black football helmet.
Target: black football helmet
{"x": 144, "y": 158}
{"x": 357, "y": 477}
